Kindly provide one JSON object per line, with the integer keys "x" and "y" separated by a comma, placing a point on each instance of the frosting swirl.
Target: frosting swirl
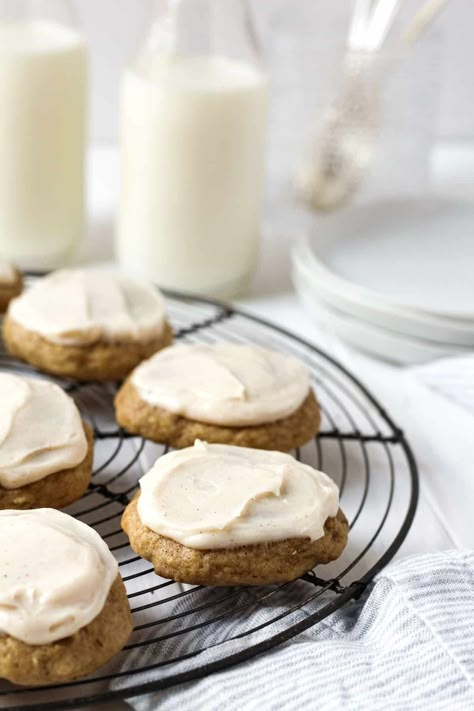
{"x": 41, "y": 431}
{"x": 219, "y": 496}
{"x": 81, "y": 307}
{"x": 223, "y": 383}
{"x": 56, "y": 575}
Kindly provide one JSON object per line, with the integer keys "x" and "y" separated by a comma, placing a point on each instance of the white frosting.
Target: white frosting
{"x": 223, "y": 383}
{"x": 56, "y": 574}
{"x": 41, "y": 431}
{"x": 80, "y": 307}
{"x": 219, "y": 496}
{"x": 7, "y": 273}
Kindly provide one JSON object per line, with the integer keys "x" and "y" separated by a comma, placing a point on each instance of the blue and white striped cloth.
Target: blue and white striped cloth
{"x": 407, "y": 644}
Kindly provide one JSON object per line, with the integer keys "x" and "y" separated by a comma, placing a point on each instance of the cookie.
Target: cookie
{"x": 75, "y": 656}
{"x": 55, "y": 490}
{"x": 11, "y": 284}
{"x": 87, "y": 325}
{"x": 222, "y": 515}
{"x": 46, "y": 449}
{"x": 64, "y": 610}
{"x": 102, "y": 361}
{"x": 222, "y": 393}
{"x": 260, "y": 564}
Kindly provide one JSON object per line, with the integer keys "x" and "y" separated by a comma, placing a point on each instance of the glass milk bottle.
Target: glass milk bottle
{"x": 43, "y": 82}
{"x": 193, "y": 116}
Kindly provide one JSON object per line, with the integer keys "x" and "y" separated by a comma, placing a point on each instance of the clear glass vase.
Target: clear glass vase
{"x": 43, "y": 94}
{"x": 193, "y": 116}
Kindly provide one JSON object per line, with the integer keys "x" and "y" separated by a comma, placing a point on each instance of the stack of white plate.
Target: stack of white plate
{"x": 395, "y": 279}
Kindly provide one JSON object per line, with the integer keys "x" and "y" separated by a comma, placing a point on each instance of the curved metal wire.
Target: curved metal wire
{"x": 199, "y": 626}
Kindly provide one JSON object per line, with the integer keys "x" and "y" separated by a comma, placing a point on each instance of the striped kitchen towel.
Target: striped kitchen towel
{"x": 407, "y": 644}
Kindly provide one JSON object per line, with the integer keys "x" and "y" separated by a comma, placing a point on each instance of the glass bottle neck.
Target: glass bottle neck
{"x": 223, "y": 28}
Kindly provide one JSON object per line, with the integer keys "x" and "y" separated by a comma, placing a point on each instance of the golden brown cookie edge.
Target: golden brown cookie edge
{"x": 160, "y": 425}
{"x": 72, "y": 657}
{"x": 101, "y": 361}
{"x": 258, "y": 564}
{"x": 56, "y": 490}
{"x": 10, "y": 291}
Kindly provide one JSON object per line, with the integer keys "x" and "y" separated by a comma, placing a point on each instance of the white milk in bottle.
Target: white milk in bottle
{"x": 43, "y": 68}
{"x": 192, "y": 146}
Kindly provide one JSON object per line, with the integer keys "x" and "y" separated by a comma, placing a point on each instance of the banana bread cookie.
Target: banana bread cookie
{"x": 222, "y": 515}
{"x": 11, "y": 284}
{"x": 87, "y": 325}
{"x": 46, "y": 449}
{"x": 64, "y": 610}
{"x": 224, "y": 393}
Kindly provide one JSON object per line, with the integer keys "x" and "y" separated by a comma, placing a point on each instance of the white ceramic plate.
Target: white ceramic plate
{"x": 405, "y": 265}
{"x": 400, "y": 320}
{"x": 371, "y": 338}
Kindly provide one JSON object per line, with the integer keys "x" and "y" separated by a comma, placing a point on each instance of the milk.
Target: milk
{"x": 192, "y": 143}
{"x": 42, "y": 135}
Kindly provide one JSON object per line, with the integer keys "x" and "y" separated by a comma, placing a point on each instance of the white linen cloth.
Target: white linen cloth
{"x": 451, "y": 377}
{"x": 407, "y": 644}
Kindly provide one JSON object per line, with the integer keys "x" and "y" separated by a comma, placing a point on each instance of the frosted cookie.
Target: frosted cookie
{"x": 222, "y": 515}
{"x": 63, "y": 606}
{"x": 223, "y": 393}
{"x": 11, "y": 283}
{"x": 45, "y": 448}
{"x": 88, "y": 325}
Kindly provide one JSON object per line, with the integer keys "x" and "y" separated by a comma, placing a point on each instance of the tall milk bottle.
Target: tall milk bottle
{"x": 43, "y": 83}
{"x": 193, "y": 116}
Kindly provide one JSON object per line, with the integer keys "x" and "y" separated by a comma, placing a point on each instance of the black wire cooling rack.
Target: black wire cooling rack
{"x": 187, "y": 632}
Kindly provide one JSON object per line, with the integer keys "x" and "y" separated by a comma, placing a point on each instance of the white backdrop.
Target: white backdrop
{"x": 114, "y": 29}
